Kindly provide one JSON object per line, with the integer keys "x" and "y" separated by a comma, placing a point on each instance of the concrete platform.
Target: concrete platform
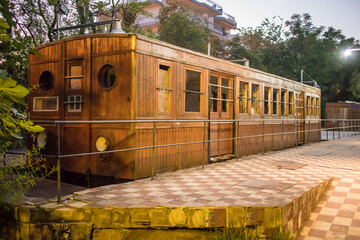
{"x": 265, "y": 193}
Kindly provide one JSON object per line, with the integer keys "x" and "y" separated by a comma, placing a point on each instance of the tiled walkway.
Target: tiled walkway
{"x": 272, "y": 179}
{"x": 337, "y": 215}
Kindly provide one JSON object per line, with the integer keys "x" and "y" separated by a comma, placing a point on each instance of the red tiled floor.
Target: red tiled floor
{"x": 339, "y": 228}
{"x": 317, "y": 233}
{"x": 344, "y": 184}
{"x": 352, "y": 201}
{"x": 325, "y": 218}
{"x": 345, "y": 213}
{"x": 339, "y": 194}
{"x": 332, "y": 205}
{"x": 355, "y": 223}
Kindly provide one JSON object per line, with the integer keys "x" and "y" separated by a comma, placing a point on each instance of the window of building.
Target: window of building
{"x": 291, "y": 103}
{"x": 308, "y": 105}
{"x": 74, "y": 103}
{"x": 267, "y": 97}
{"x": 313, "y": 106}
{"x": 225, "y": 95}
{"x": 255, "y": 99}
{"x": 107, "y": 77}
{"x": 46, "y": 81}
{"x": 317, "y": 106}
{"x": 192, "y": 91}
{"x": 42, "y": 104}
{"x": 164, "y": 88}
{"x": 276, "y": 101}
{"x": 244, "y": 97}
{"x": 284, "y": 102}
{"x": 214, "y": 93}
{"x": 74, "y": 75}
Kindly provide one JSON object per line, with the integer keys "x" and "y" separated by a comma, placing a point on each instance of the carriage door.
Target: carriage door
{"x": 221, "y": 108}
{"x": 76, "y": 135}
{"x": 299, "y": 115}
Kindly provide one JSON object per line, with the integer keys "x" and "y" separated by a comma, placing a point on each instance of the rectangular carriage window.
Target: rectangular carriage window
{"x": 317, "y": 107}
{"x": 74, "y": 103}
{"x": 267, "y": 95}
{"x": 225, "y": 95}
{"x": 283, "y": 102}
{"x": 291, "y": 103}
{"x": 76, "y": 70}
{"x": 164, "y": 88}
{"x": 313, "y": 106}
{"x": 74, "y": 74}
{"x": 308, "y": 105}
{"x": 42, "y": 104}
{"x": 255, "y": 99}
{"x": 244, "y": 97}
{"x": 275, "y": 101}
{"x": 214, "y": 94}
{"x": 192, "y": 91}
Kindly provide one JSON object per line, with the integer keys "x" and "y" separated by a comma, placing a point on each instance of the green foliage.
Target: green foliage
{"x": 178, "y": 27}
{"x": 232, "y": 233}
{"x": 218, "y": 48}
{"x": 355, "y": 85}
{"x": 130, "y": 10}
{"x": 245, "y": 233}
{"x": 18, "y": 177}
{"x": 284, "y": 48}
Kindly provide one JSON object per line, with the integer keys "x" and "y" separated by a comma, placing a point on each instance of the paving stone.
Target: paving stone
{"x": 254, "y": 181}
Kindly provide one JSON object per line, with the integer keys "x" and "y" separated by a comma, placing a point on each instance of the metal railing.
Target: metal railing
{"x": 302, "y": 130}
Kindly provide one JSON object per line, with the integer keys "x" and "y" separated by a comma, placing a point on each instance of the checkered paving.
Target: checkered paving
{"x": 273, "y": 179}
{"x": 337, "y": 215}
{"x": 238, "y": 183}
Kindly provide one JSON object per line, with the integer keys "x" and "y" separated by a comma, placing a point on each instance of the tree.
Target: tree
{"x": 15, "y": 181}
{"x": 238, "y": 50}
{"x": 355, "y": 86}
{"x": 287, "y": 48}
{"x": 178, "y": 27}
{"x": 218, "y": 48}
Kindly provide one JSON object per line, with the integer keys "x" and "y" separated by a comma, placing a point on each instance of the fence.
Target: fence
{"x": 327, "y": 128}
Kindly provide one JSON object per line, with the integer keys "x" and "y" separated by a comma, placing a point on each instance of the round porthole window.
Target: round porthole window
{"x": 46, "y": 81}
{"x": 107, "y": 76}
{"x": 42, "y": 139}
{"x": 102, "y": 144}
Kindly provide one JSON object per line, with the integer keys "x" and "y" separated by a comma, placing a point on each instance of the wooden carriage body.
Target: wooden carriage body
{"x": 132, "y": 77}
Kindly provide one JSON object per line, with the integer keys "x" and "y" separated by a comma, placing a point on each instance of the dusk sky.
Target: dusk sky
{"x": 340, "y": 14}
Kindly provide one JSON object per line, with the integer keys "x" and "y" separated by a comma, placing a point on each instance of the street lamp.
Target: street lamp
{"x": 350, "y": 50}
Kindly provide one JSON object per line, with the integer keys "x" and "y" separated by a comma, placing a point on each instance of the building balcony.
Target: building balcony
{"x": 204, "y": 6}
{"x": 225, "y": 20}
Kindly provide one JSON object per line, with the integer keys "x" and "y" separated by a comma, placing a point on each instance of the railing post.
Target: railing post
{"x": 263, "y": 136}
{"x": 58, "y": 167}
{"x": 296, "y": 124}
{"x": 338, "y": 129}
{"x": 282, "y": 134}
{"x": 343, "y": 128}
{"x": 327, "y": 131}
{"x": 203, "y": 159}
{"x": 237, "y": 141}
{"x": 309, "y": 132}
{"x": 153, "y": 153}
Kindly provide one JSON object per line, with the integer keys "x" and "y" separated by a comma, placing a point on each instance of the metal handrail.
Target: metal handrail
{"x": 295, "y": 121}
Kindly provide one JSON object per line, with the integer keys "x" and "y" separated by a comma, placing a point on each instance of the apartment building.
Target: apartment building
{"x": 207, "y": 11}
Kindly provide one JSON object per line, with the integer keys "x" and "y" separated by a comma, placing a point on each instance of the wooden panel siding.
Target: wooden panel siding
{"x": 136, "y": 96}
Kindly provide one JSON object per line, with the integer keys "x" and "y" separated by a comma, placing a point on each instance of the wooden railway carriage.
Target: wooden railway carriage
{"x": 132, "y": 77}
